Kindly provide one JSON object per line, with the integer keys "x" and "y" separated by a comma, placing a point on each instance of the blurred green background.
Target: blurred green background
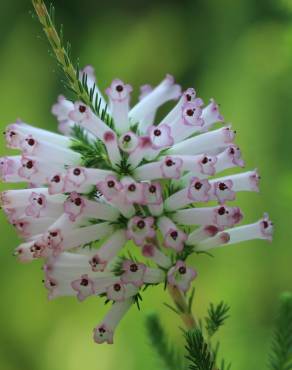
{"x": 237, "y": 51}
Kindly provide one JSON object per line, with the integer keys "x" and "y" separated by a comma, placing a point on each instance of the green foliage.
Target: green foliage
{"x": 172, "y": 188}
{"x": 93, "y": 194}
{"x": 94, "y": 100}
{"x": 117, "y": 268}
{"x": 216, "y": 317}
{"x": 159, "y": 343}
{"x": 185, "y": 253}
{"x": 93, "y": 153}
{"x": 225, "y": 366}
{"x": 191, "y": 299}
{"x": 123, "y": 167}
{"x": 137, "y": 299}
{"x": 281, "y": 352}
{"x": 200, "y": 354}
{"x": 121, "y": 222}
{"x": 198, "y": 351}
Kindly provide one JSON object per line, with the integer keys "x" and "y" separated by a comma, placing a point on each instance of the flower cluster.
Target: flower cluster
{"x": 120, "y": 177}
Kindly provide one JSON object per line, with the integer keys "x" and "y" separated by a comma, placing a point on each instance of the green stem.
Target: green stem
{"x": 60, "y": 52}
{"x": 184, "y": 311}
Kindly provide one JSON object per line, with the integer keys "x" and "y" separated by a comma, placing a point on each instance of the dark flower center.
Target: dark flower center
{"x": 82, "y": 108}
{"x": 222, "y": 186}
{"x": 190, "y": 112}
{"x": 56, "y": 179}
{"x": 37, "y": 247}
{"x": 117, "y": 287}
{"x": 198, "y": 185}
{"x": 221, "y": 211}
{"x": 132, "y": 187}
{"x": 169, "y": 163}
{"x": 95, "y": 261}
{"x": 152, "y": 189}
{"x": 141, "y": 224}
{"x": 111, "y": 184}
{"x": 182, "y": 270}
{"x": 127, "y": 138}
{"x": 157, "y": 132}
{"x": 119, "y": 88}
{"x": 174, "y": 235}
{"x": 29, "y": 164}
{"x": 133, "y": 267}
{"x": 77, "y": 201}
{"x": 77, "y": 171}
{"x": 84, "y": 282}
{"x": 30, "y": 142}
{"x": 266, "y": 224}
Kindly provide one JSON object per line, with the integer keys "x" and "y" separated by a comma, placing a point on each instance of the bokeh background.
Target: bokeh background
{"x": 237, "y": 51}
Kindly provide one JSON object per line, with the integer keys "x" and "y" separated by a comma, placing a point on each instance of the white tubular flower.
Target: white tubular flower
{"x": 108, "y": 251}
{"x": 211, "y": 114}
{"x": 188, "y": 96}
{"x": 140, "y": 229}
{"x": 153, "y": 198}
{"x": 134, "y": 192}
{"x": 104, "y": 332}
{"x": 61, "y": 110}
{"x": 118, "y": 177}
{"x": 181, "y": 276}
{"x": 119, "y": 96}
{"x": 133, "y": 272}
{"x": 205, "y": 143}
{"x": 202, "y": 233}
{"x": 119, "y": 292}
{"x": 35, "y": 202}
{"x": 69, "y": 274}
{"x": 128, "y": 142}
{"x": 172, "y": 236}
{"x": 263, "y": 229}
{"x": 152, "y": 252}
{"x": 149, "y": 119}
{"x": 221, "y": 216}
{"x": 79, "y": 236}
{"x": 18, "y": 131}
{"x": 165, "y": 91}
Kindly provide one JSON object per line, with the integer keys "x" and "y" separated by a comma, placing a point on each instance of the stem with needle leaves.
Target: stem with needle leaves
{"x": 184, "y": 310}
{"x": 62, "y": 53}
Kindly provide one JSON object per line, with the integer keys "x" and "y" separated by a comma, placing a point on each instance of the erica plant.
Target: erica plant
{"x": 119, "y": 182}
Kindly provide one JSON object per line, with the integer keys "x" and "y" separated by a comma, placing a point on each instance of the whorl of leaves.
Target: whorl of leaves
{"x": 93, "y": 153}
{"x": 216, "y": 317}
{"x": 198, "y": 351}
